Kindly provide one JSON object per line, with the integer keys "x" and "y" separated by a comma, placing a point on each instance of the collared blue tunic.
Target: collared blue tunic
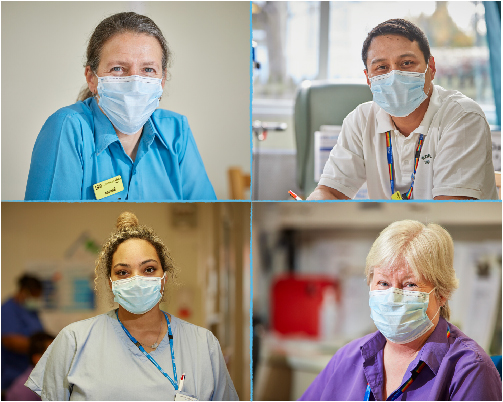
{"x": 457, "y": 369}
{"x": 78, "y": 147}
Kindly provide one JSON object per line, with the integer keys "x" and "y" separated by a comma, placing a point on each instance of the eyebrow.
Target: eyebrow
{"x": 402, "y": 56}
{"x": 123, "y": 264}
{"x": 147, "y": 63}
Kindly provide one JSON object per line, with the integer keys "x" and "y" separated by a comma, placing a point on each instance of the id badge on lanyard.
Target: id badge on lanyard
{"x": 395, "y": 195}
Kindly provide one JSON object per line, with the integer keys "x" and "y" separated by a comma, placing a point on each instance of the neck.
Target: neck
{"x": 408, "y": 124}
{"x": 150, "y": 319}
{"x": 410, "y": 349}
{"x": 130, "y": 142}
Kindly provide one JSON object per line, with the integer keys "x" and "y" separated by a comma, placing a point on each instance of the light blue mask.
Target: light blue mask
{"x": 129, "y": 101}
{"x": 399, "y": 93}
{"x": 138, "y": 294}
{"x": 400, "y": 315}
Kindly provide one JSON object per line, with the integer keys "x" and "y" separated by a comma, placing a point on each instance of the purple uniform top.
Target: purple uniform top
{"x": 457, "y": 368}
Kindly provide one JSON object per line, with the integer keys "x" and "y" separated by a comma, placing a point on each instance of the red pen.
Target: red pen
{"x": 295, "y": 196}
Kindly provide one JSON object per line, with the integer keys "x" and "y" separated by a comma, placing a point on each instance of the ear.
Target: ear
{"x": 431, "y": 65}
{"x": 92, "y": 80}
{"x": 164, "y": 79}
{"x": 367, "y": 76}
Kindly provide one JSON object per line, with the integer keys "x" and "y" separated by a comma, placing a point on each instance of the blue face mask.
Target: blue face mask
{"x": 399, "y": 93}
{"x": 138, "y": 294}
{"x": 400, "y": 315}
{"x": 128, "y": 102}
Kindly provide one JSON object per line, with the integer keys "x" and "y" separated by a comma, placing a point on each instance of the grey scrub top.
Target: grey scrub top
{"x": 94, "y": 359}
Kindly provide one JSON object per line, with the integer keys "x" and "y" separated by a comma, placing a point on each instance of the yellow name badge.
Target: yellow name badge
{"x": 397, "y": 196}
{"x": 108, "y": 187}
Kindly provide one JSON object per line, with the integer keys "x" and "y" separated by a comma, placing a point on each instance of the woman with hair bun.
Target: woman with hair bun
{"x": 114, "y": 144}
{"x": 416, "y": 354}
{"x": 136, "y": 352}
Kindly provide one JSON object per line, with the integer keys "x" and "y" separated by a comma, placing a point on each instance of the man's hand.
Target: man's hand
{"x": 326, "y": 193}
{"x": 448, "y": 197}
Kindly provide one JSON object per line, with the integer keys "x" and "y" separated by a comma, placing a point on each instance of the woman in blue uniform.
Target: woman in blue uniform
{"x": 137, "y": 352}
{"x": 113, "y": 144}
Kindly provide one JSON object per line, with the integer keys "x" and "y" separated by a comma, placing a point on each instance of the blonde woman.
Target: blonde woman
{"x": 137, "y": 352}
{"x": 416, "y": 354}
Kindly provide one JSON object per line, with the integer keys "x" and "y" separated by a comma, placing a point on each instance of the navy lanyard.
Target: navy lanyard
{"x": 395, "y": 395}
{"x": 391, "y": 166}
{"x": 147, "y": 355}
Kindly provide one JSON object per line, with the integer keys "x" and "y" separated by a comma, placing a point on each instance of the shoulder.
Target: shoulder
{"x": 200, "y": 337}
{"x": 9, "y": 304}
{"x": 363, "y": 112}
{"x": 75, "y": 118}
{"x": 454, "y": 103}
{"x": 82, "y": 328}
{"x": 80, "y": 109}
{"x": 163, "y": 118}
{"x": 188, "y": 329}
{"x": 465, "y": 351}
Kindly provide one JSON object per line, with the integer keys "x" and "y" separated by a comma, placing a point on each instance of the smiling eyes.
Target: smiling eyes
{"x": 386, "y": 285}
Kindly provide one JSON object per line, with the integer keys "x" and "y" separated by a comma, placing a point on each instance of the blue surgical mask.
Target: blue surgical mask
{"x": 138, "y": 294}
{"x": 400, "y": 315}
{"x": 129, "y": 101}
{"x": 399, "y": 93}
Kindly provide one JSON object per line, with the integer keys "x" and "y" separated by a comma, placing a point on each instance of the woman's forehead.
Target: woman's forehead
{"x": 399, "y": 271}
{"x": 129, "y": 46}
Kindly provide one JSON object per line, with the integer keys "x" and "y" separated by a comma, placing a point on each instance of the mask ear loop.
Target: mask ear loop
{"x": 432, "y": 318}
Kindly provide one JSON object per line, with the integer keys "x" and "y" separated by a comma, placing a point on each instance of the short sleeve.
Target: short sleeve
{"x": 463, "y": 164}
{"x": 56, "y": 169}
{"x": 195, "y": 182}
{"x": 223, "y": 387}
{"x": 345, "y": 167}
{"x": 49, "y": 378}
{"x": 476, "y": 381}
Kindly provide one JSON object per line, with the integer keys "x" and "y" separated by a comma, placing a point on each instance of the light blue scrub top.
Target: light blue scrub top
{"x": 94, "y": 360}
{"x": 78, "y": 147}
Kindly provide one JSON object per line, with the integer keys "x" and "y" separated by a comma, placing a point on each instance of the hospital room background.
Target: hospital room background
{"x": 310, "y": 295}
{"x": 308, "y": 75}
{"x": 210, "y": 244}
{"x": 44, "y": 47}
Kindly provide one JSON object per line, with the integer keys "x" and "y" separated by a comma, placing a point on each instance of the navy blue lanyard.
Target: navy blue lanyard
{"x": 389, "y": 154}
{"x": 147, "y": 355}
{"x": 395, "y": 395}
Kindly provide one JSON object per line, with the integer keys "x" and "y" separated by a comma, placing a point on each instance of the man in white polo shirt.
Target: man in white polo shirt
{"x": 415, "y": 140}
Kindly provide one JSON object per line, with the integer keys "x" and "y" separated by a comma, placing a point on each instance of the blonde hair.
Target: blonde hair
{"x": 427, "y": 250}
{"x": 128, "y": 227}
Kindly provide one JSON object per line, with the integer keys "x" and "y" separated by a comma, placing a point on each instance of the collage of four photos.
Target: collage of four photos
{"x": 266, "y": 200}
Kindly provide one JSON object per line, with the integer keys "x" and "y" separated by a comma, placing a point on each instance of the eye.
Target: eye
{"x": 150, "y": 270}
{"x": 410, "y": 285}
{"x": 408, "y": 63}
{"x": 121, "y": 273}
{"x": 382, "y": 284}
{"x": 149, "y": 70}
{"x": 116, "y": 69}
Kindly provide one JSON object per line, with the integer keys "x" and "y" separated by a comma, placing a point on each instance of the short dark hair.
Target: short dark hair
{"x": 30, "y": 282}
{"x": 400, "y": 27}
